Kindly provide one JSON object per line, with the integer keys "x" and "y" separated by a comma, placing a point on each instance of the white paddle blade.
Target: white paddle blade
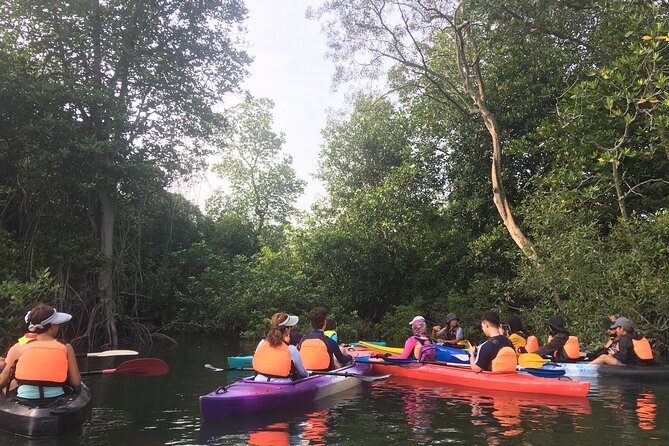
{"x": 112, "y": 353}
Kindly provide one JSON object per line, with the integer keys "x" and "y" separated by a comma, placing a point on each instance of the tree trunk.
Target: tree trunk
{"x": 619, "y": 191}
{"x": 498, "y": 192}
{"x": 105, "y": 280}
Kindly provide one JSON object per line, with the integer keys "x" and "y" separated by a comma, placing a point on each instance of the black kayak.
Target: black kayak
{"x": 45, "y": 418}
{"x": 652, "y": 373}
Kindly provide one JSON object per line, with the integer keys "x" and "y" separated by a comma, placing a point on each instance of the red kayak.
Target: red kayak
{"x": 513, "y": 382}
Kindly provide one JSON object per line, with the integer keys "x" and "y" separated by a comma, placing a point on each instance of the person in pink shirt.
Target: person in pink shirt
{"x": 419, "y": 345}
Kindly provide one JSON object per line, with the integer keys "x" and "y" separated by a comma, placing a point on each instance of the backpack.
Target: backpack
{"x": 427, "y": 352}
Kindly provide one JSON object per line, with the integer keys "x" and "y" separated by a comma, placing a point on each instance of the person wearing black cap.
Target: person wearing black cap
{"x": 621, "y": 351}
{"x": 452, "y": 332}
{"x": 561, "y": 345}
{"x": 611, "y": 333}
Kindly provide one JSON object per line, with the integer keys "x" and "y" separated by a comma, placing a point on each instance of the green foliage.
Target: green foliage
{"x": 263, "y": 184}
{"x": 17, "y": 298}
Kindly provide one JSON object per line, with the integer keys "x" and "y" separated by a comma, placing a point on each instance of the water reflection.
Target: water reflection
{"x": 497, "y": 415}
{"x": 646, "y": 410}
{"x": 303, "y": 425}
{"x": 419, "y": 411}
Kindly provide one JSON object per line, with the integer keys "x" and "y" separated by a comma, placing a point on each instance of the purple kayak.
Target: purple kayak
{"x": 248, "y": 396}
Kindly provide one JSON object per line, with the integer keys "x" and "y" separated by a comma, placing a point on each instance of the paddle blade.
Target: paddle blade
{"x": 111, "y": 353}
{"x": 142, "y": 367}
{"x": 531, "y": 360}
{"x": 544, "y": 373}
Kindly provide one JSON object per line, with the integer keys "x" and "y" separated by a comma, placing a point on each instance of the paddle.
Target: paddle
{"x": 135, "y": 367}
{"x": 108, "y": 353}
{"x": 406, "y": 362}
{"x": 354, "y": 375}
{"x": 229, "y": 369}
{"x": 465, "y": 343}
{"x": 531, "y": 360}
{"x": 543, "y": 373}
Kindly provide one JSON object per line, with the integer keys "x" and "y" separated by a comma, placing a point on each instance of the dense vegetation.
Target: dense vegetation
{"x": 517, "y": 161}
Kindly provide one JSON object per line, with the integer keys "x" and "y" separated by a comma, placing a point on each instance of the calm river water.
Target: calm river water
{"x": 157, "y": 411}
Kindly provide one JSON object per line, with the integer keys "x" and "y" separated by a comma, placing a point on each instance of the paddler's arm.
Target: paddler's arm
{"x": 12, "y": 357}
{"x": 409, "y": 346}
{"x": 556, "y": 344}
{"x": 73, "y": 375}
{"x": 334, "y": 349}
{"x": 297, "y": 360}
{"x": 472, "y": 359}
{"x": 624, "y": 352}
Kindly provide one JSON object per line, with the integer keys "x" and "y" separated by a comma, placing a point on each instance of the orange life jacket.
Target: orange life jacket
{"x": 532, "y": 344}
{"x": 505, "y": 361}
{"x": 273, "y": 361}
{"x": 608, "y": 343}
{"x": 642, "y": 349}
{"x": 315, "y": 354}
{"x": 571, "y": 348}
{"x": 42, "y": 363}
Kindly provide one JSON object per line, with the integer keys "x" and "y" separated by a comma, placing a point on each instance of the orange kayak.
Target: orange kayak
{"x": 514, "y": 382}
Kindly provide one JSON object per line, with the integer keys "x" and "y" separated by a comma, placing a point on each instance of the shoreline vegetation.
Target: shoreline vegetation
{"x": 518, "y": 161}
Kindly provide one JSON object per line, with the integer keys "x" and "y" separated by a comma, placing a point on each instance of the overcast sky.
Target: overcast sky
{"x": 290, "y": 68}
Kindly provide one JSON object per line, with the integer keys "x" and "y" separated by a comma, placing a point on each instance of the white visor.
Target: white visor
{"x": 291, "y": 321}
{"x": 56, "y": 318}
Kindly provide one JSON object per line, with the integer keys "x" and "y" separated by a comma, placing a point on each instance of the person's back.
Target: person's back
{"x": 44, "y": 366}
{"x": 483, "y": 356}
{"x": 561, "y": 345}
{"x": 318, "y": 351}
{"x": 275, "y": 359}
{"x": 517, "y": 334}
{"x": 642, "y": 350}
{"x": 331, "y": 330}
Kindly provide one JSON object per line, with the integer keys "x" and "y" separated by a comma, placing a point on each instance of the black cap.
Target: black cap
{"x": 556, "y": 322}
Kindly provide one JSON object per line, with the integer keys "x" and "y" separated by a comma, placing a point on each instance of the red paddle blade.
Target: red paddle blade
{"x": 142, "y": 367}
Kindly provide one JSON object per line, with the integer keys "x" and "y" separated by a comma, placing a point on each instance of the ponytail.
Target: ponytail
{"x": 277, "y": 333}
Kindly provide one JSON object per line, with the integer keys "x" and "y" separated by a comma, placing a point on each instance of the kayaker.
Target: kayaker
{"x": 561, "y": 345}
{"x": 611, "y": 336}
{"x": 452, "y": 332}
{"x": 318, "y": 351}
{"x": 44, "y": 366}
{"x": 275, "y": 360}
{"x": 489, "y": 355}
{"x": 623, "y": 348}
{"x": 418, "y": 346}
{"x": 520, "y": 337}
{"x": 295, "y": 337}
{"x": 331, "y": 330}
